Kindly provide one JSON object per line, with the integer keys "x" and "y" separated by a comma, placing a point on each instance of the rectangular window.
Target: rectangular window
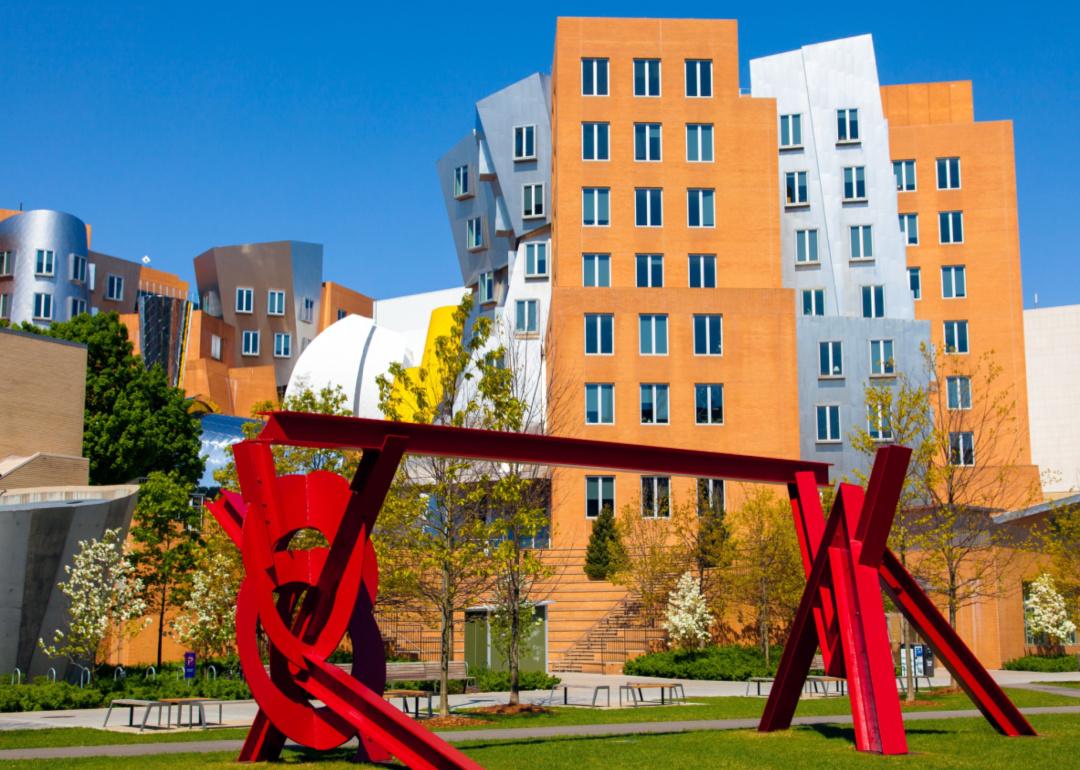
{"x": 595, "y": 206}
{"x": 594, "y": 77}
{"x": 524, "y": 142}
{"x": 882, "y": 363}
{"x": 806, "y": 252}
{"x": 909, "y": 226}
{"x": 474, "y": 233}
{"x": 650, "y": 271}
{"x": 847, "y": 126}
{"x": 709, "y": 404}
{"x": 962, "y": 448}
{"x": 854, "y": 184}
{"x": 654, "y": 404}
{"x": 700, "y": 208}
{"x": 599, "y": 403}
{"x": 461, "y": 182}
{"x": 78, "y": 268}
{"x": 595, "y": 144}
{"x": 596, "y": 270}
{"x": 873, "y": 301}
{"x": 45, "y": 263}
{"x": 655, "y": 497}
{"x": 7, "y": 262}
{"x": 956, "y": 336}
{"x": 646, "y": 77}
{"x": 275, "y": 302}
{"x": 795, "y": 189}
{"x": 648, "y": 207}
{"x": 862, "y": 242}
{"x": 813, "y": 302}
{"x": 790, "y": 131}
{"x": 652, "y": 335}
{"x": 43, "y": 308}
{"x": 953, "y": 282}
{"x": 711, "y": 496}
{"x": 914, "y": 277}
{"x": 487, "y": 287}
{"x": 647, "y": 145}
{"x": 282, "y": 345}
{"x": 831, "y": 359}
{"x": 215, "y": 347}
{"x": 878, "y": 422}
{"x": 536, "y": 259}
{"x": 532, "y": 200}
{"x": 76, "y": 306}
{"x": 307, "y": 310}
{"x": 958, "y": 389}
{"x": 245, "y": 297}
{"x": 114, "y": 289}
{"x": 828, "y": 423}
{"x": 904, "y": 170}
{"x": 708, "y": 335}
{"x": 249, "y": 344}
{"x": 341, "y": 313}
{"x": 948, "y": 173}
{"x": 699, "y": 77}
{"x": 702, "y": 271}
{"x": 699, "y": 142}
{"x": 526, "y": 319}
{"x": 951, "y": 226}
{"x": 599, "y": 334}
{"x": 599, "y": 494}
{"x": 5, "y": 305}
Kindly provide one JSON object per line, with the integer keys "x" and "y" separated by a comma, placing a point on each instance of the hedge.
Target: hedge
{"x": 1044, "y": 663}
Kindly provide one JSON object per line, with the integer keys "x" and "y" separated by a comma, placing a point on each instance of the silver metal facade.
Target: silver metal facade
{"x": 62, "y": 234}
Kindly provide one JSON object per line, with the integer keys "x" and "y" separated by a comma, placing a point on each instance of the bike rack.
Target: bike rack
{"x": 16, "y": 676}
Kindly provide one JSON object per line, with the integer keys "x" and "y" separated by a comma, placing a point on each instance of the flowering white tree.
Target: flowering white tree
{"x": 207, "y": 620}
{"x": 1047, "y": 612}
{"x": 688, "y": 619}
{"x": 103, "y": 591}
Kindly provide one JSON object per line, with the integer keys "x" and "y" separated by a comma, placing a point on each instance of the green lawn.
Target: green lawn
{"x": 1061, "y": 684}
{"x": 953, "y": 743}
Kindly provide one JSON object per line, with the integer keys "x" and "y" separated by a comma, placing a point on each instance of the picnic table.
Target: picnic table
{"x": 637, "y": 696}
{"x": 566, "y": 692}
{"x": 416, "y": 695}
{"x": 131, "y": 704}
{"x": 192, "y": 704}
{"x": 824, "y": 681}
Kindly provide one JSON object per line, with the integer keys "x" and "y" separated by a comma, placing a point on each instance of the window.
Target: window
{"x": 595, "y": 206}
{"x": 962, "y": 448}
{"x": 43, "y": 309}
{"x": 595, "y": 141}
{"x": 486, "y": 288}
{"x": 76, "y": 306}
{"x": 525, "y": 320}
{"x": 599, "y": 494}
{"x": 7, "y": 262}
{"x": 77, "y": 268}
{"x": 648, "y": 207}
{"x": 655, "y": 497}
{"x": 474, "y": 234}
{"x": 956, "y": 336}
{"x": 711, "y": 496}
{"x": 847, "y": 126}
{"x": 650, "y": 271}
{"x": 699, "y": 77}
{"x": 953, "y": 282}
{"x": 914, "y": 277}
{"x": 958, "y": 389}
{"x": 806, "y": 252}
{"x": 114, "y": 290}
{"x": 536, "y": 260}
{"x": 699, "y": 143}
{"x": 341, "y": 313}
{"x": 813, "y": 302}
{"x": 790, "y": 131}
{"x": 702, "y": 271}
{"x": 708, "y": 335}
{"x": 275, "y": 302}
{"x": 524, "y": 142}
{"x": 948, "y": 173}
{"x": 599, "y": 334}
{"x": 795, "y": 189}
{"x": 596, "y": 270}
{"x": 700, "y": 208}
{"x": 878, "y": 422}
{"x": 862, "y": 242}
{"x": 873, "y": 301}
{"x": 5, "y": 305}
{"x": 646, "y": 77}
{"x": 652, "y": 335}
{"x": 594, "y": 77}
{"x": 951, "y": 226}
{"x": 904, "y": 170}
{"x": 532, "y": 200}
{"x": 307, "y": 310}
{"x": 282, "y": 345}
{"x": 709, "y": 404}
{"x": 831, "y": 359}
{"x": 854, "y": 184}
{"x": 599, "y": 403}
{"x": 828, "y": 423}
{"x": 882, "y": 363}
{"x": 909, "y": 226}
{"x": 461, "y": 182}
{"x": 45, "y": 264}
{"x": 647, "y": 141}
{"x": 249, "y": 345}
{"x": 215, "y": 347}
{"x": 654, "y": 404}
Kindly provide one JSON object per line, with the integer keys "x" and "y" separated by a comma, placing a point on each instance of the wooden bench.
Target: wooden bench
{"x": 758, "y": 680}
{"x": 637, "y": 695}
{"x": 133, "y": 703}
{"x": 416, "y": 695}
{"x": 421, "y": 671}
{"x": 566, "y": 693}
{"x": 824, "y": 681}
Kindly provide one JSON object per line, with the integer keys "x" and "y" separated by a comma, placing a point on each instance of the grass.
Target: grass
{"x": 953, "y": 743}
{"x": 89, "y": 736}
{"x": 1061, "y": 684}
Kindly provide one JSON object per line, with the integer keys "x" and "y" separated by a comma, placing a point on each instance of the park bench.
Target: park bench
{"x": 758, "y": 681}
{"x": 814, "y": 682}
{"x": 421, "y": 671}
{"x": 131, "y": 704}
{"x": 416, "y": 695}
{"x": 193, "y": 704}
{"x": 637, "y": 695}
{"x": 566, "y": 693}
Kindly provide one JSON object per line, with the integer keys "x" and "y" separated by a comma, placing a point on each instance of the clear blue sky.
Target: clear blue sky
{"x": 175, "y": 127}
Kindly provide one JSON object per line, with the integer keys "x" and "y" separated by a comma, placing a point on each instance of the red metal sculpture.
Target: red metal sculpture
{"x": 304, "y": 601}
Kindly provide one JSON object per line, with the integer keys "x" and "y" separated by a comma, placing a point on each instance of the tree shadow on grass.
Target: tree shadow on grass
{"x": 847, "y": 733}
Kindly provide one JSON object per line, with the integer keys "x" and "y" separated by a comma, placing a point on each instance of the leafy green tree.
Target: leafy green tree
{"x": 604, "y": 553}
{"x": 1062, "y": 541}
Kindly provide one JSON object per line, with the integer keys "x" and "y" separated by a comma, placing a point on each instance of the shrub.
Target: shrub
{"x": 1044, "y": 663}
{"x": 726, "y": 663}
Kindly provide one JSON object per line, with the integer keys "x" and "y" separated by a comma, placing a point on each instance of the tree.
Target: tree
{"x": 688, "y": 619}
{"x": 604, "y": 553}
{"x": 207, "y": 620}
{"x": 654, "y": 556}
{"x": 165, "y": 534}
{"x": 1047, "y": 614}
{"x": 1062, "y": 539}
{"x": 103, "y": 592}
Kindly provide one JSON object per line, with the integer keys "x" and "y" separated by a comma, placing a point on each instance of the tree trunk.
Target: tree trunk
{"x": 952, "y": 614}
{"x": 161, "y": 625}
{"x": 907, "y": 637}
{"x": 447, "y": 636}
{"x": 513, "y": 653}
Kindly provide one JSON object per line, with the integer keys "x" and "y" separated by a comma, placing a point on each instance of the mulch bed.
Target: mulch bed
{"x": 510, "y": 711}
{"x": 438, "y": 723}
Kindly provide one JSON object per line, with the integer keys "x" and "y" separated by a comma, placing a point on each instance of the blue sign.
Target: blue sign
{"x": 189, "y": 665}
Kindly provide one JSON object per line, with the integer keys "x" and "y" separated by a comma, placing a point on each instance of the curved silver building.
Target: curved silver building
{"x": 45, "y": 274}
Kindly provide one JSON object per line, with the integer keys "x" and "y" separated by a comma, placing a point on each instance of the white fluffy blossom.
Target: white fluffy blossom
{"x": 1047, "y": 612}
{"x": 207, "y": 621}
{"x": 688, "y": 619}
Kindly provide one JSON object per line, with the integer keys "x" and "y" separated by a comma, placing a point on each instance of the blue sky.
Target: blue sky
{"x": 175, "y": 127}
